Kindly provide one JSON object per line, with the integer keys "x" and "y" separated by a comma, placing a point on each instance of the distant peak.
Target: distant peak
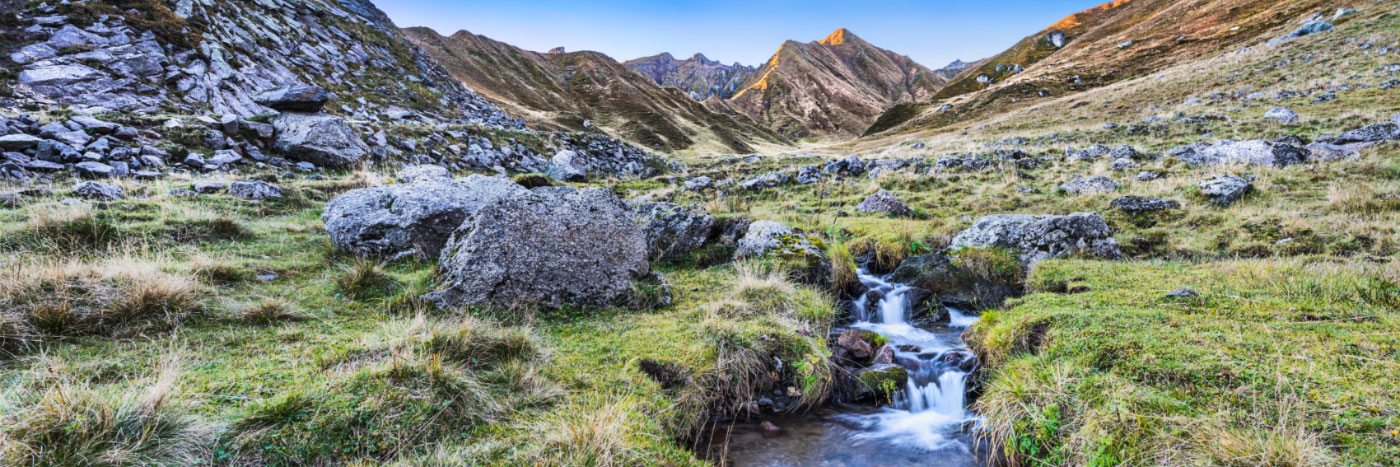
{"x": 699, "y": 57}
{"x": 840, "y": 36}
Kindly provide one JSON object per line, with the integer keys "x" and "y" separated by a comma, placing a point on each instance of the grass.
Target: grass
{"x": 1277, "y": 362}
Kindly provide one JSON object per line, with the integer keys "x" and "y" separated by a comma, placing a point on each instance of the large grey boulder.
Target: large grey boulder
{"x": 672, "y": 230}
{"x": 99, "y": 191}
{"x": 408, "y": 219}
{"x": 553, "y": 246}
{"x": 768, "y": 237}
{"x": 294, "y": 98}
{"x": 1094, "y": 185}
{"x": 886, "y": 202}
{"x": 320, "y": 139}
{"x": 1327, "y": 152}
{"x": 1039, "y": 237}
{"x": 1135, "y": 205}
{"x": 1371, "y": 134}
{"x": 1254, "y": 152}
{"x": 254, "y": 190}
{"x": 566, "y": 166}
{"x": 1225, "y": 189}
{"x": 19, "y": 142}
{"x": 952, "y": 285}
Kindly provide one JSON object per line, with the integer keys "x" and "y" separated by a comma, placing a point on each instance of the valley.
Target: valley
{"x": 291, "y": 232}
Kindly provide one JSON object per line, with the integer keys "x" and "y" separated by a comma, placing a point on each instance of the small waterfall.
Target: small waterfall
{"x": 932, "y": 403}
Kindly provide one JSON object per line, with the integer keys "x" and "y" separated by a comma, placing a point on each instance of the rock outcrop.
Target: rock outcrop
{"x": 553, "y": 246}
{"x": 1036, "y": 238}
{"x": 415, "y": 218}
{"x": 672, "y": 230}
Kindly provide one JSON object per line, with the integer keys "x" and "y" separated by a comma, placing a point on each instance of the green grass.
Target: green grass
{"x": 1276, "y": 362}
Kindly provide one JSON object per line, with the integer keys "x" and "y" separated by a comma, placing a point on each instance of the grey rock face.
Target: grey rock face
{"x": 406, "y": 219}
{"x": 808, "y": 175}
{"x": 1090, "y": 186}
{"x": 1326, "y": 152}
{"x": 1225, "y": 189}
{"x": 19, "y": 142}
{"x": 1135, "y": 205}
{"x": 699, "y": 184}
{"x": 1255, "y": 152}
{"x": 850, "y": 167}
{"x": 768, "y": 237}
{"x": 98, "y": 191}
{"x": 423, "y": 172}
{"x": 320, "y": 139}
{"x": 1037, "y": 238}
{"x": 91, "y": 169}
{"x": 254, "y": 190}
{"x": 886, "y": 202}
{"x": 672, "y": 231}
{"x": 294, "y": 98}
{"x": 1371, "y": 134}
{"x": 552, "y": 247}
{"x": 952, "y": 285}
{"x": 565, "y": 166}
{"x": 1282, "y": 115}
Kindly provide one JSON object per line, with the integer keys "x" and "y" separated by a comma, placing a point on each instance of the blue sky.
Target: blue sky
{"x": 933, "y": 32}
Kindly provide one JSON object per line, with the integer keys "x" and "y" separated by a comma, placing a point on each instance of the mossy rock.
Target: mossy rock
{"x": 533, "y": 180}
{"x": 884, "y": 381}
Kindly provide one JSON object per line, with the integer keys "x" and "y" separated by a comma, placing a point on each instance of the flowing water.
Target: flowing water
{"x": 925, "y": 426}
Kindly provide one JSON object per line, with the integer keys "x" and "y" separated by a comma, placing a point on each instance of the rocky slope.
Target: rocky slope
{"x": 698, "y": 76}
{"x": 833, "y": 87}
{"x": 194, "y": 85}
{"x": 1116, "y": 41}
{"x": 585, "y": 91}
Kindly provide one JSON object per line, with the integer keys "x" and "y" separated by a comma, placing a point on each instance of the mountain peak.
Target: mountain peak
{"x": 838, "y": 37}
{"x": 699, "y": 58}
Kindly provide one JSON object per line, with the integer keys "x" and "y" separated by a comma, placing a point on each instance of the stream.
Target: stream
{"x": 925, "y": 426}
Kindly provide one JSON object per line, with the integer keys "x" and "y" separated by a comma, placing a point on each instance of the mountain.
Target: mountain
{"x": 589, "y": 91}
{"x": 1109, "y": 43}
{"x": 833, "y": 87}
{"x": 697, "y": 76}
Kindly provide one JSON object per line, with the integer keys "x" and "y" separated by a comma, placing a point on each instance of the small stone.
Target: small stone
{"x": 98, "y": 191}
{"x": 254, "y": 190}
{"x": 1182, "y": 294}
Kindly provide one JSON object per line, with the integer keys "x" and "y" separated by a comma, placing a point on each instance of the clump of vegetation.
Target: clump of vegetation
{"x": 55, "y": 419}
{"x": 66, "y": 228}
{"x": 843, "y": 268}
{"x": 77, "y": 299}
{"x": 533, "y": 180}
{"x": 413, "y": 384}
{"x": 270, "y": 310}
{"x": 365, "y": 279}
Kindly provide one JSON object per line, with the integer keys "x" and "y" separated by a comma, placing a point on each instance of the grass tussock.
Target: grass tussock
{"x": 598, "y": 435}
{"x": 75, "y": 228}
{"x": 412, "y": 385}
{"x": 56, "y": 420}
{"x": 74, "y": 298}
{"x": 270, "y": 310}
{"x": 364, "y": 279}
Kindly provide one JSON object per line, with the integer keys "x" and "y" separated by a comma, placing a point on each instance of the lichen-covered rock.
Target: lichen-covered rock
{"x": 1225, "y": 189}
{"x": 253, "y": 190}
{"x": 951, "y": 284}
{"x": 552, "y": 246}
{"x": 768, "y": 237}
{"x": 324, "y": 140}
{"x": 886, "y": 202}
{"x": 1036, "y": 238}
{"x": 1326, "y": 152}
{"x": 99, "y": 191}
{"x": 1135, "y": 205}
{"x": 673, "y": 230}
{"x": 1282, "y": 115}
{"x": 1094, "y": 185}
{"x": 1386, "y": 131}
{"x": 565, "y": 166}
{"x": 300, "y": 98}
{"x": 415, "y": 173}
{"x": 883, "y": 380}
{"x": 408, "y": 219}
{"x": 1255, "y": 152}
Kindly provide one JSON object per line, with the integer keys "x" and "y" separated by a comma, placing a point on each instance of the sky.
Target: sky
{"x": 932, "y": 32}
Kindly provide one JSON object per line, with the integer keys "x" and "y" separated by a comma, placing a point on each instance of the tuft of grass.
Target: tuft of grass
{"x": 599, "y": 435}
{"x": 363, "y": 279}
{"x": 843, "y": 268}
{"x": 270, "y": 310}
{"x": 217, "y": 269}
{"x": 72, "y": 228}
{"x": 76, "y": 299}
{"x": 59, "y": 420}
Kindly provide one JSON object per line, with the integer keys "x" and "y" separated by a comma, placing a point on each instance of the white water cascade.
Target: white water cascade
{"x": 932, "y": 404}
